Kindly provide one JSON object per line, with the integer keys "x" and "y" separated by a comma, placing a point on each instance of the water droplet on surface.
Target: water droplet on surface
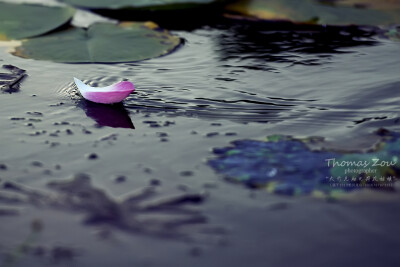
{"x": 161, "y": 134}
{"x": 120, "y": 179}
{"x": 212, "y": 134}
{"x": 186, "y": 173}
{"x": 147, "y": 170}
{"x": 37, "y": 164}
{"x": 155, "y": 182}
{"x": 92, "y": 156}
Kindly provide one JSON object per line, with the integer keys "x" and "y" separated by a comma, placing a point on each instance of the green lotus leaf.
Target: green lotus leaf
{"x": 339, "y": 12}
{"x": 139, "y": 4}
{"x": 18, "y": 21}
{"x": 101, "y": 43}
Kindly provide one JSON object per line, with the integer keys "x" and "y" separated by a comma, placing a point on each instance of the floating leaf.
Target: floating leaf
{"x": 18, "y": 21}
{"x": 139, "y": 4}
{"x": 322, "y": 12}
{"x": 101, "y": 43}
{"x": 287, "y": 165}
{"x": 10, "y": 82}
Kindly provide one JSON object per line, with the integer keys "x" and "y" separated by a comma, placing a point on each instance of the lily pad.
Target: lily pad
{"x": 101, "y": 43}
{"x": 287, "y": 165}
{"x": 139, "y": 4}
{"x": 346, "y": 12}
{"x": 18, "y": 21}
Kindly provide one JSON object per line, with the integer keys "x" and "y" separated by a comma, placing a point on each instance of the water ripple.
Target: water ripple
{"x": 255, "y": 73}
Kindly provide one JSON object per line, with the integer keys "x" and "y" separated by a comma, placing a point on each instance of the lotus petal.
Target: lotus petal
{"x": 106, "y": 95}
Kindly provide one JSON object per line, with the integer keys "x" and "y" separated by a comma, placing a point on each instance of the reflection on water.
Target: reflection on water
{"x": 268, "y": 43}
{"x": 115, "y": 115}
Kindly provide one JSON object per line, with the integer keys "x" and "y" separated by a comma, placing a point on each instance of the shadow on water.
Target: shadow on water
{"x": 115, "y": 115}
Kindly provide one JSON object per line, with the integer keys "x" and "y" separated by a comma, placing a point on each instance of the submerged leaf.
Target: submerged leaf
{"x": 287, "y": 165}
{"x": 101, "y": 43}
{"x": 346, "y": 12}
{"x": 139, "y": 4}
{"x": 18, "y": 21}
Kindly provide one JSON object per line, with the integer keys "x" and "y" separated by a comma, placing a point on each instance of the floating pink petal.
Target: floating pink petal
{"x": 106, "y": 95}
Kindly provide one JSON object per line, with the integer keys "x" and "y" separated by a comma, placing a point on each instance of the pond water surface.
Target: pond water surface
{"x": 227, "y": 82}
